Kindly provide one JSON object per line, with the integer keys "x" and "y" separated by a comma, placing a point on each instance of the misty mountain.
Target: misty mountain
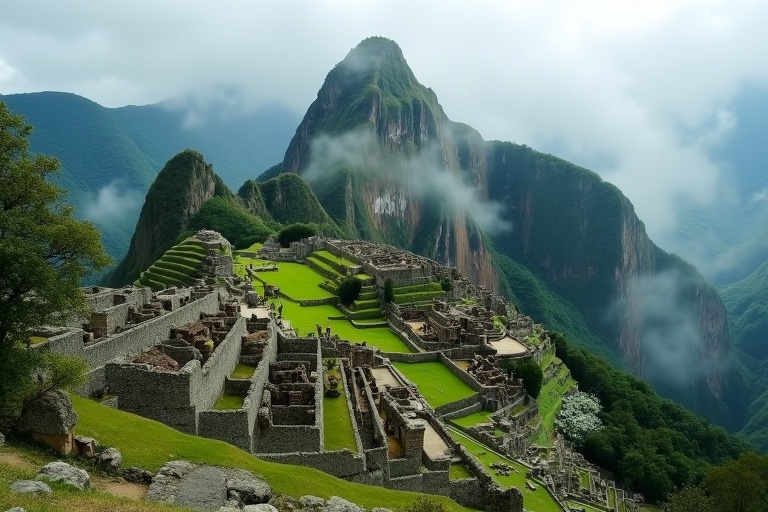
{"x": 110, "y": 156}
{"x": 388, "y": 165}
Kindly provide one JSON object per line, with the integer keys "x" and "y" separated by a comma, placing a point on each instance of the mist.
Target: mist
{"x": 672, "y": 350}
{"x": 112, "y": 205}
{"x": 424, "y": 174}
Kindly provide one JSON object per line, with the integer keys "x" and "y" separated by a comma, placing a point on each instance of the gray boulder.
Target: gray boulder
{"x": 309, "y": 501}
{"x": 261, "y": 507}
{"x": 246, "y": 489}
{"x": 16, "y": 509}
{"x": 202, "y": 488}
{"x": 52, "y": 414}
{"x": 31, "y": 486}
{"x": 58, "y": 471}
{"x": 137, "y": 475}
{"x": 2, "y": 439}
{"x": 336, "y": 504}
{"x": 111, "y": 459}
{"x": 380, "y": 509}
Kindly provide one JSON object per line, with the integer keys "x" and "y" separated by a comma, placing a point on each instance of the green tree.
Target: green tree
{"x": 295, "y": 232}
{"x": 741, "y": 485}
{"x": 533, "y": 377}
{"x": 349, "y": 290}
{"x": 44, "y": 254}
{"x": 389, "y": 291}
{"x": 691, "y": 498}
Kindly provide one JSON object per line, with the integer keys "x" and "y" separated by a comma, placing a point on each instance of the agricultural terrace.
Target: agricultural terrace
{"x": 539, "y": 500}
{"x": 120, "y": 429}
{"x": 550, "y": 399}
{"x": 337, "y": 424}
{"x": 336, "y": 259}
{"x": 304, "y": 320}
{"x": 435, "y": 381}
{"x": 296, "y": 280}
{"x": 473, "y": 419}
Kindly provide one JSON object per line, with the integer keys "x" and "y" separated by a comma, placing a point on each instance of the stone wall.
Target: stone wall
{"x": 259, "y": 379}
{"x": 110, "y": 320}
{"x": 219, "y": 366}
{"x": 145, "y": 334}
{"x": 465, "y": 377}
{"x": 232, "y": 426}
{"x": 342, "y": 463}
{"x": 69, "y": 343}
{"x": 287, "y": 439}
{"x": 404, "y": 467}
{"x": 419, "y": 357}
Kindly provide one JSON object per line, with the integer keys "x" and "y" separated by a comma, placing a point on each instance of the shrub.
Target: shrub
{"x": 349, "y": 290}
{"x": 530, "y": 372}
{"x": 446, "y": 284}
{"x": 389, "y": 291}
{"x": 295, "y": 232}
{"x": 424, "y": 504}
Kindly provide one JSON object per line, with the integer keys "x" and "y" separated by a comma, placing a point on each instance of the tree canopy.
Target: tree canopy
{"x": 44, "y": 253}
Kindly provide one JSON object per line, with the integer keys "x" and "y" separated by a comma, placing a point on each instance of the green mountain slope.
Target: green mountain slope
{"x": 178, "y": 193}
{"x": 389, "y": 166}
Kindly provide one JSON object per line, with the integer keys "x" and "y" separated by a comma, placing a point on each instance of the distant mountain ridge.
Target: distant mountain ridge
{"x": 110, "y": 156}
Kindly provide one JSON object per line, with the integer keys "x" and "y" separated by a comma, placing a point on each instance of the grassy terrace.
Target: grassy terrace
{"x": 242, "y": 371}
{"x": 177, "y": 266}
{"x": 537, "y": 501}
{"x": 549, "y": 401}
{"x": 336, "y": 259}
{"x": 296, "y": 280}
{"x": 304, "y": 319}
{"x": 337, "y": 423}
{"x": 227, "y": 402}
{"x": 435, "y": 381}
{"x": 121, "y": 429}
{"x": 473, "y": 419}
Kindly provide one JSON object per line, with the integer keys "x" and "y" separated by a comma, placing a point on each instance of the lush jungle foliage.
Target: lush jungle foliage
{"x": 650, "y": 443}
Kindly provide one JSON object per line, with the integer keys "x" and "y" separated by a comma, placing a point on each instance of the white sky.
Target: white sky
{"x": 639, "y": 91}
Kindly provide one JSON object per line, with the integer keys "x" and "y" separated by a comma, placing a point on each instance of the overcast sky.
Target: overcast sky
{"x": 639, "y": 91}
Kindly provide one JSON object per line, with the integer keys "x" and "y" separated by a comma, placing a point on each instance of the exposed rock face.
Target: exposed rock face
{"x": 58, "y": 471}
{"x": 52, "y": 414}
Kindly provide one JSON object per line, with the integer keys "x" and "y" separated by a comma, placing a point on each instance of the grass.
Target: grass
{"x": 585, "y": 506}
{"x": 296, "y": 280}
{"x": 457, "y": 471}
{"x": 177, "y": 266}
{"x": 435, "y": 381}
{"x": 538, "y": 500}
{"x": 584, "y": 479}
{"x": 229, "y": 402}
{"x": 549, "y": 400}
{"x": 473, "y": 419}
{"x": 336, "y": 259}
{"x": 35, "y": 340}
{"x": 304, "y": 319}
{"x": 337, "y": 424}
{"x": 120, "y": 429}
{"x": 242, "y": 371}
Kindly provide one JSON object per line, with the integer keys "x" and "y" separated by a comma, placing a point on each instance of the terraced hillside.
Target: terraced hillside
{"x": 178, "y": 266}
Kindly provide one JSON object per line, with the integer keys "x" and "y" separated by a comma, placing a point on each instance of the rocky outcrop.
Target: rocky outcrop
{"x": 52, "y": 414}
{"x": 31, "y": 487}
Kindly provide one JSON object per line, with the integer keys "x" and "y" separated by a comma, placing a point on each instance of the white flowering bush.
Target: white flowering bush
{"x": 578, "y": 417}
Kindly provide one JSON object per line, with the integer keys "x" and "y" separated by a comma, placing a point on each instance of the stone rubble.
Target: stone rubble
{"x": 31, "y": 486}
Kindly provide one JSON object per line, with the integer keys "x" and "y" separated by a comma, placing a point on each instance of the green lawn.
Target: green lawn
{"x": 296, "y": 280}
{"x": 120, "y": 429}
{"x": 435, "y": 381}
{"x": 585, "y": 506}
{"x": 536, "y": 501}
{"x": 226, "y": 402}
{"x": 473, "y": 419}
{"x": 304, "y": 319}
{"x": 242, "y": 371}
{"x": 337, "y": 424}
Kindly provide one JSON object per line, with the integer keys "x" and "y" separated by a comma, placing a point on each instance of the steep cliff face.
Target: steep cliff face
{"x": 176, "y": 195}
{"x": 376, "y": 146}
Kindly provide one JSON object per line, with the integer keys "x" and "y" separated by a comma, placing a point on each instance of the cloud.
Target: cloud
{"x": 759, "y": 197}
{"x": 639, "y": 92}
{"x": 422, "y": 175}
{"x": 112, "y": 205}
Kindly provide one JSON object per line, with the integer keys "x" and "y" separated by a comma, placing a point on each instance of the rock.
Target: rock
{"x": 86, "y": 446}
{"x": 284, "y": 503}
{"x": 165, "y": 484}
{"x": 16, "y": 509}
{"x": 336, "y": 504}
{"x": 137, "y": 475}
{"x": 230, "y": 509}
{"x": 58, "y": 471}
{"x": 309, "y": 501}
{"x": 111, "y": 459}
{"x": 246, "y": 489}
{"x": 261, "y": 507}
{"x": 31, "y": 486}
{"x": 176, "y": 468}
{"x": 204, "y": 488}
{"x": 380, "y": 509}
{"x": 52, "y": 414}
{"x": 2, "y": 439}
